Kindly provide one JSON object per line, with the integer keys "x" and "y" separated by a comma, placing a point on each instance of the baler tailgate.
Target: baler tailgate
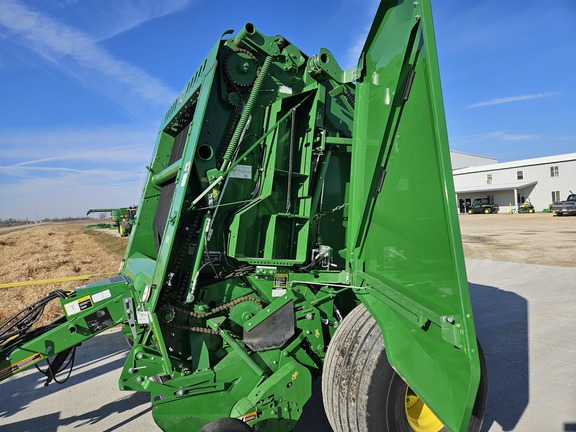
{"x": 404, "y": 239}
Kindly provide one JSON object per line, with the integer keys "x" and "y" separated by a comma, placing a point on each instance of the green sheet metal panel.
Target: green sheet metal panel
{"x": 404, "y": 244}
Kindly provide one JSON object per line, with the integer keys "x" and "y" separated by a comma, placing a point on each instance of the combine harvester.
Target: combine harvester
{"x": 276, "y": 241}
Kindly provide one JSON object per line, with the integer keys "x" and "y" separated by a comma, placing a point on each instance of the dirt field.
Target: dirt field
{"x": 48, "y": 251}
{"x": 538, "y": 238}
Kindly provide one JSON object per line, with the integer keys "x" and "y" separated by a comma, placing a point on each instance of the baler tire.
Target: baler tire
{"x": 226, "y": 424}
{"x": 362, "y": 392}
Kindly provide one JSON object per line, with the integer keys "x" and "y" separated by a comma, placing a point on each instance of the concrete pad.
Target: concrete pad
{"x": 525, "y": 319}
{"x": 89, "y": 401}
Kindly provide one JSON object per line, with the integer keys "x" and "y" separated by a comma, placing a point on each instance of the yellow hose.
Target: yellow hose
{"x": 56, "y": 280}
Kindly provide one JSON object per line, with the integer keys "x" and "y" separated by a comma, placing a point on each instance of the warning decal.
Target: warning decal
{"x": 12, "y": 369}
{"x": 280, "y": 280}
{"x": 247, "y": 418}
{"x": 78, "y": 306}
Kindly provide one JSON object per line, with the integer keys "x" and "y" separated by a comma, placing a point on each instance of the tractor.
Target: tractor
{"x": 123, "y": 218}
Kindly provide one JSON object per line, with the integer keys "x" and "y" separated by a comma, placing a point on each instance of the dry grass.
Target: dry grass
{"x": 53, "y": 250}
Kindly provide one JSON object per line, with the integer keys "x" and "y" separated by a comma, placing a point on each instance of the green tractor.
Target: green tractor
{"x": 276, "y": 244}
{"x": 123, "y": 218}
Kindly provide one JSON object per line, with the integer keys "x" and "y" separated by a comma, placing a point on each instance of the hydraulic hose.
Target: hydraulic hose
{"x": 246, "y": 113}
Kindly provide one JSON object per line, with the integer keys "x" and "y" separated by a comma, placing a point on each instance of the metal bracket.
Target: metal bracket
{"x": 325, "y": 62}
{"x": 130, "y": 315}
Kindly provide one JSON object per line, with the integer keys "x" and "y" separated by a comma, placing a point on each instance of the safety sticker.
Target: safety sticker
{"x": 78, "y": 306}
{"x": 99, "y": 321}
{"x": 103, "y": 295}
{"x": 280, "y": 280}
{"x": 12, "y": 369}
{"x": 185, "y": 174}
{"x": 241, "y": 172}
{"x": 142, "y": 317}
{"x": 250, "y": 417}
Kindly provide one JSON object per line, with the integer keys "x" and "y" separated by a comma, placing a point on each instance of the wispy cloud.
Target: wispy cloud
{"x": 69, "y": 194}
{"x": 509, "y": 99}
{"x": 60, "y": 43}
{"x": 97, "y": 156}
{"x": 496, "y": 136}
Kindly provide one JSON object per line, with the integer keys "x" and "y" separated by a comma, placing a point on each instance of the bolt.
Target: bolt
{"x": 140, "y": 379}
{"x": 309, "y": 316}
{"x": 448, "y": 319}
{"x": 180, "y": 393}
{"x": 139, "y": 356}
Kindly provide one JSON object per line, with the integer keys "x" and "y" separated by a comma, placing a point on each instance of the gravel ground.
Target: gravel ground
{"x": 538, "y": 238}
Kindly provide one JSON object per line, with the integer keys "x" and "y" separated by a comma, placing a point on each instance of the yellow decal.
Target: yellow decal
{"x": 12, "y": 369}
{"x": 78, "y": 306}
{"x": 250, "y": 417}
{"x": 317, "y": 333}
{"x": 294, "y": 375}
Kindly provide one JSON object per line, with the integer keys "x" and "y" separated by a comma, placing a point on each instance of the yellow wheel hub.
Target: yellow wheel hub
{"x": 419, "y": 416}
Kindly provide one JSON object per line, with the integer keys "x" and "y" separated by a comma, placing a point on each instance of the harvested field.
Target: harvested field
{"x": 48, "y": 251}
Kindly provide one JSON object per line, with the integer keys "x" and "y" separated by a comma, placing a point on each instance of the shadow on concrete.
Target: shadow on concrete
{"x": 102, "y": 412}
{"x": 313, "y": 416}
{"x": 33, "y": 424}
{"x": 501, "y": 319}
{"x": 25, "y": 388}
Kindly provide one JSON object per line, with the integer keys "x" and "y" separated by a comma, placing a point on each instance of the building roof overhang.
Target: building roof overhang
{"x": 494, "y": 187}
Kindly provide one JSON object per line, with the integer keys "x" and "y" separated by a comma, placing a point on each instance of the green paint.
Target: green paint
{"x": 294, "y": 187}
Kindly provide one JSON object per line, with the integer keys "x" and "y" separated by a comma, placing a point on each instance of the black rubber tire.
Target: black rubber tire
{"x": 226, "y": 425}
{"x": 360, "y": 389}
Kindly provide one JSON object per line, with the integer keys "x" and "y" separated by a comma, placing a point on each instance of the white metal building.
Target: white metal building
{"x": 509, "y": 184}
{"x": 464, "y": 160}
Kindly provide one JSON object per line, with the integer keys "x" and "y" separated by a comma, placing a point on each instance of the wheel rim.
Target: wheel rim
{"x": 419, "y": 416}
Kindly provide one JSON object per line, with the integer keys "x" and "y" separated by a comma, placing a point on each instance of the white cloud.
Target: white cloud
{"x": 495, "y": 136}
{"x": 59, "y": 43}
{"x": 106, "y": 143}
{"x": 69, "y": 195}
{"x": 510, "y": 99}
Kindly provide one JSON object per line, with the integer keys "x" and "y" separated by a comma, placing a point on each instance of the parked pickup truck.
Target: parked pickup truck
{"x": 565, "y": 207}
{"x": 482, "y": 205}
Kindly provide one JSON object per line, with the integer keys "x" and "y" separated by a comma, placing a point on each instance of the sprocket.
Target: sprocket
{"x": 242, "y": 67}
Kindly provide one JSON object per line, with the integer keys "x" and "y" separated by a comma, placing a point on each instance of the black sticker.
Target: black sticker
{"x": 99, "y": 320}
{"x": 85, "y": 303}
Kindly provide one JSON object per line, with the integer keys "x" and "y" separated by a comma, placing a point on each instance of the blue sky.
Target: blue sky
{"x": 85, "y": 83}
